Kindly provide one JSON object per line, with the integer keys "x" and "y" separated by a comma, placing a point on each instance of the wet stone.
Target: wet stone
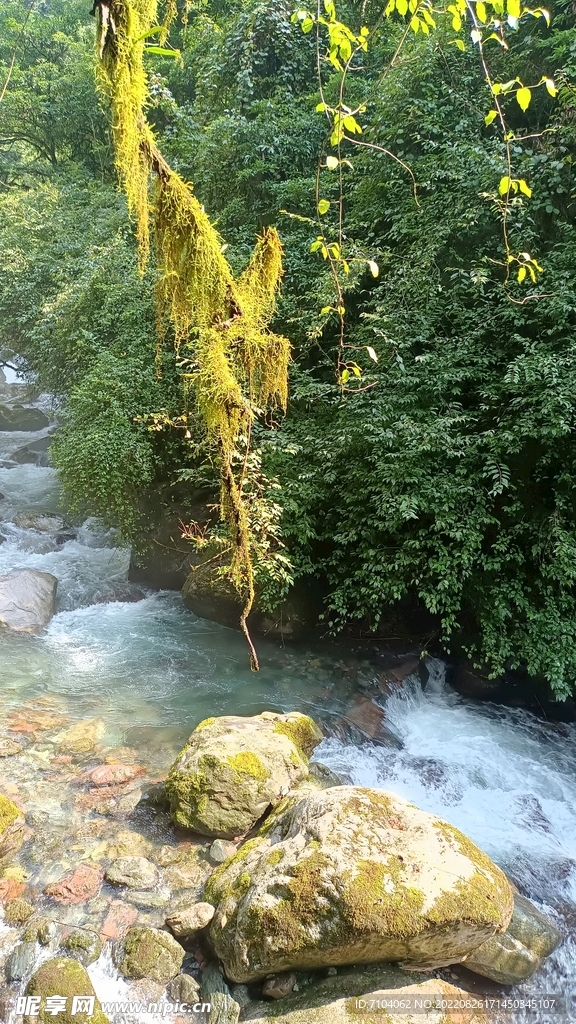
{"x": 21, "y": 961}
{"x": 190, "y": 920}
{"x": 119, "y": 919}
{"x": 134, "y": 872}
{"x": 9, "y": 747}
{"x": 76, "y": 887}
{"x": 147, "y": 900}
{"x": 84, "y": 945}
{"x": 18, "y": 911}
{"x": 184, "y": 989}
{"x": 279, "y": 986}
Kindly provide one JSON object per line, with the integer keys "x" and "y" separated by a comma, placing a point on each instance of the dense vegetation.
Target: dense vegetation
{"x": 445, "y": 472}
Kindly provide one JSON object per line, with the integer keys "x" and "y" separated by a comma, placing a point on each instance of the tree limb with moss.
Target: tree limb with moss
{"x": 239, "y": 367}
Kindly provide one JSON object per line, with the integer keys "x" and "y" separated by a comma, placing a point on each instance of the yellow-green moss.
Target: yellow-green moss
{"x": 9, "y": 813}
{"x": 17, "y": 911}
{"x": 275, "y": 856}
{"x": 303, "y": 732}
{"x": 63, "y": 977}
{"x": 204, "y": 724}
{"x": 369, "y": 907}
{"x": 490, "y": 899}
{"x": 249, "y": 764}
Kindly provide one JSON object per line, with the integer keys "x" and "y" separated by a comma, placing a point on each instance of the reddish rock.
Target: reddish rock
{"x": 78, "y": 886}
{"x": 10, "y": 889}
{"x": 115, "y": 774}
{"x": 367, "y": 717}
{"x": 119, "y": 919}
{"x": 22, "y": 727}
{"x": 62, "y": 759}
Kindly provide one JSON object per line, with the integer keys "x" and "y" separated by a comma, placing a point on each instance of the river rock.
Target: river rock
{"x": 232, "y": 770}
{"x": 354, "y": 875}
{"x": 191, "y": 919}
{"x": 17, "y": 911}
{"x": 113, "y": 774}
{"x": 150, "y": 953}
{"x": 21, "y": 960}
{"x": 83, "y": 944}
{"x": 119, "y": 919}
{"x": 9, "y": 747}
{"x": 513, "y": 956}
{"x": 65, "y": 977}
{"x": 221, "y": 851}
{"x": 338, "y": 1000}
{"x": 279, "y": 985}
{"x": 27, "y": 599}
{"x": 38, "y": 521}
{"x": 11, "y": 829}
{"x": 22, "y": 418}
{"x": 78, "y": 886}
{"x": 184, "y": 989}
{"x": 81, "y": 737}
{"x": 134, "y": 872}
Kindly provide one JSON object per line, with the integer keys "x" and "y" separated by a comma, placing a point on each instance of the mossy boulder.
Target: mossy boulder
{"x": 515, "y": 955}
{"x": 150, "y": 953}
{"x": 232, "y": 770}
{"x": 351, "y": 875}
{"x": 68, "y": 978}
{"x": 11, "y": 830}
{"x": 83, "y": 944}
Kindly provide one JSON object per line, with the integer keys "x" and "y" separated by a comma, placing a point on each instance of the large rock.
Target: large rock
{"x": 232, "y": 770}
{"x": 352, "y": 875}
{"x": 134, "y": 872}
{"x": 150, "y": 953}
{"x": 513, "y": 956}
{"x": 27, "y": 599}
{"x": 22, "y": 418}
{"x": 67, "y": 978}
{"x": 347, "y": 997}
{"x": 11, "y": 830}
{"x": 39, "y": 521}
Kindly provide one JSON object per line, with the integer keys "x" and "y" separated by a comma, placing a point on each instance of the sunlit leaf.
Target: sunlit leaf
{"x": 371, "y": 353}
{"x": 481, "y": 12}
{"x": 525, "y": 188}
{"x": 490, "y": 117}
{"x": 504, "y": 185}
{"x": 323, "y": 206}
{"x": 521, "y": 274}
{"x": 523, "y": 97}
{"x": 551, "y": 87}
{"x": 374, "y": 268}
{"x": 331, "y": 162}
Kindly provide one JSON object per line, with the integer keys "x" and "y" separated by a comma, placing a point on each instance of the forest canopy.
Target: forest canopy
{"x": 427, "y": 455}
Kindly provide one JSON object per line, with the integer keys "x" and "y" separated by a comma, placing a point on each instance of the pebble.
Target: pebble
{"x": 119, "y": 919}
{"x": 279, "y": 986}
{"x": 192, "y": 919}
{"x": 77, "y": 887}
{"x": 9, "y": 747}
{"x": 153, "y": 900}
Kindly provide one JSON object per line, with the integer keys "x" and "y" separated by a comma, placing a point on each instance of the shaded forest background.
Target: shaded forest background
{"x": 448, "y": 480}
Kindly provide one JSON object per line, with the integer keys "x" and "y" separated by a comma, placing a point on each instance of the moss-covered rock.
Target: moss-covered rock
{"x": 233, "y": 769}
{"x": 352, "y": 875}
{"x": 17, "y": 911}
{"x": 83, "y": 944}
{"x": 11, "y": 830}
{"x": 67, "y": 978}
{"x": 150, "y": 953}
{"x": 513, "y": 956}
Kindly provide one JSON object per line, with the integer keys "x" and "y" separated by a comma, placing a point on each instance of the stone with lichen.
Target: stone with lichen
{"x": 513, "y": 956}
{"x": 232, "y": 770}
{"x": 11, "y": 829}
{"x": 150, "y": 953}
{"x": 67, "y": 978}
{"x": 354, "y": 875}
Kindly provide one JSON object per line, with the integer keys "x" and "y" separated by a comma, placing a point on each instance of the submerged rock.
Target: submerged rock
{"x": 38, "y": 521}
{"x": 134, "y": 872}
{"x": 9, "y": 747}
{"x": 17, "y": 911}
{"x": 21, "y": 960}
{"x": 27, "y": 599}
{"x": 150, "y": 953}
{"x": 513, "y": 956}
{"x": 83, "y": 944}
{"x": 67, "y": 978}
{"x": 78, "y": 886}
{"x": 232, "y": 770}
{"x": 11, "y": 830}
{"x": 354, "y": 875}
{"x": 81, "y": 737}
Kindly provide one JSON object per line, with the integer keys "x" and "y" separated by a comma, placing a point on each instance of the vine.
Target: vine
{"x": 487, "y": 20}
{"x": 237, "y": 366}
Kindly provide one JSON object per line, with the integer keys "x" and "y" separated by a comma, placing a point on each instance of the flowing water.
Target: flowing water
{"x": 145, "y": 672}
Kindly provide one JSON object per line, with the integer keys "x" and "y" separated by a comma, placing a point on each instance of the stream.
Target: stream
{"x": 143, "y": 672}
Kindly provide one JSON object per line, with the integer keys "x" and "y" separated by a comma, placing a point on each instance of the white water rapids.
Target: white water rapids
{"x": 152, "y": 671}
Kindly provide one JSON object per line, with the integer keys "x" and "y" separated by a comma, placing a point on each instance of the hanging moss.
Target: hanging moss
{"x": 238, "y": 365}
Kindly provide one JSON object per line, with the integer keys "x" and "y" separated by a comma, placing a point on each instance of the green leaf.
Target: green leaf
{"x": 524, "y": 187}
{"x": 345, "y": 376}
{"x": 307, "y": 25}
{"x": 523, "y": 97}
{"x": 460, "y": 44}
{"x": 504, "y": 185}
{"x": 161, "y": 51}
{"x": 332, "y": 163}
{"x": 321, "y": 107}
{"x": 351, "y": 125}
{"x": 490, "y": 117}
{"x": 323, "y": 206}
